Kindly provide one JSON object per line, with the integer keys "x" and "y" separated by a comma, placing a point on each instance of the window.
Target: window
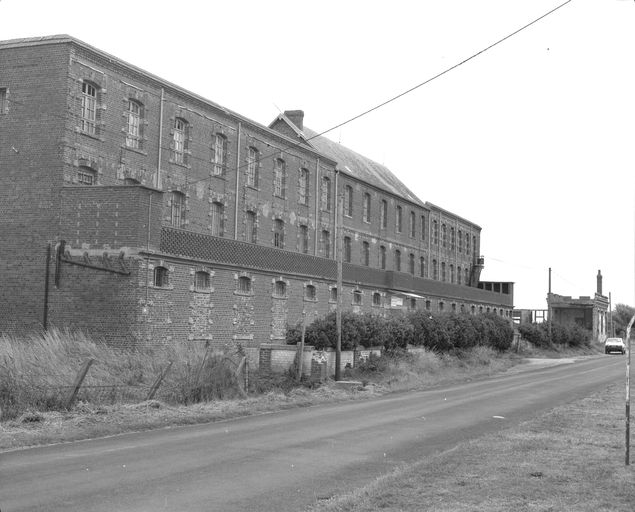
{"x": 423, "y": 227}
{"x": 435, "y": 232}
{"x": 412, "y": 225}
{"x": 326, "y": 243}
{"x": 441, "y": 306}
{"x": 452, "y": 239}
{"x": 278, "y": 234}
{"x": 304, "y": 239}
{"x": 4, "y": 102}
{"x": 280, "y": 289}
{"x": 347, "y": 249}
{"x": 366, "y": 253}
{"x": 131, "y": 181}
{"x": 460, "y": 241}
{"x": 411, "y": 264}
{"x": 333, "y": 294}
{"x": 435, "y": 270}
{"x": 453, "y": 308}
{"x": 398, "y": 260}
{"x": 88, "y": 120}
{"x": 366, "y": 208}
{"x": 473, "y": 310}
{"x": 474, "y": 244}
{"x": 219, "y": 155}
{"x": 244, "y": 284}
{"x": 398, "y": 219}
{"x": 376, "y": 299}
{"x": 86, "y": 176}
{"x": 452, "y": 274}
{"x": 412, "y": 304}
{"x": 217, "y": 219}
{"x": 303, "y": 186}
{"x": 180, "y": 141}
{"x": 357, "y": 297}
{"x": 252, "y": 167}
{"x": 382, "y": 257}
{"x": 458, "y": 275}
{"x": 134, "y": 116}
{"x": 467, "y": 277}
{"x": 177, "y": 209}
{"x": 309, "y": 292}
{"x": 278, "y": 177}
{"x": 201, "y": 281}
{"x": 383, "y": 214}
{"x": 325, "y": 195}
{"x": 428, "y": 305}
{"x": 348, "y": 201}
{"x": 250, "y": 227}
{"x": 422, "y": 267}
{"x": 444, "y": 235}
{"x": 443, "y": 276}
{"x": 467, "y": 243}
{"x": 161, "y": 279}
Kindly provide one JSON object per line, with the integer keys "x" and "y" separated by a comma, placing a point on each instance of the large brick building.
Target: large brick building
{"x": 141, "y": 212}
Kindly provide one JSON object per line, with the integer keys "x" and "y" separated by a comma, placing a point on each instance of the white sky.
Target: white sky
{"x": 532, "y": 140}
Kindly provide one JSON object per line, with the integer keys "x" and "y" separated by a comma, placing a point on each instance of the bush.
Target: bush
{"x": 563, "y": 335}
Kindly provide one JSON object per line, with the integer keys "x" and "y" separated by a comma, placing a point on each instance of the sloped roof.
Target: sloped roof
{"x": 360, "y": 167}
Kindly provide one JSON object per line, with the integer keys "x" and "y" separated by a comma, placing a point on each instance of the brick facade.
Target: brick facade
{"x": 170, "y": 218}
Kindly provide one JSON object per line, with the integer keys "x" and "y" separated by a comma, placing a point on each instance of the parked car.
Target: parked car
{"x": 614, "y": 345}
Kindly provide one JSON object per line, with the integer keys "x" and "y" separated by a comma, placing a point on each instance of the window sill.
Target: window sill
{"x": 139, "y": 151}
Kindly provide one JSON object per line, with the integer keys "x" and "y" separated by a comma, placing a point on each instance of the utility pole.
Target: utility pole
{"x": 628, "y": 392}
{"x": 338, "y": 311}
{"x": 549, "y": 305}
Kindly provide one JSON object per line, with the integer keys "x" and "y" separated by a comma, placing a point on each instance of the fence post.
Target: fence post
{"x": 239, "y": 370}
{"x": 300, "y": 346}
{"x": 78, "y": 382}
{"x": 158, "y": 381}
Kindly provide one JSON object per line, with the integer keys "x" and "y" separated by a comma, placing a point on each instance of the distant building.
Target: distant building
{"x": 587, "y": 312}
{"x": 140, "y": 212}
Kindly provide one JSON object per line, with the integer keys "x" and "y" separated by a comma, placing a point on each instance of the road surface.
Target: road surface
{"x": 286, "y": 460}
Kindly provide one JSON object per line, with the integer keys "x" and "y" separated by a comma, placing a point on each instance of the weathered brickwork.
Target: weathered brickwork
{"x": 182, "y": 221}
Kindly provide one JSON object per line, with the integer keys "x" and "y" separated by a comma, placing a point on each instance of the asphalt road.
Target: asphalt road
{"x": 285, "y": 460}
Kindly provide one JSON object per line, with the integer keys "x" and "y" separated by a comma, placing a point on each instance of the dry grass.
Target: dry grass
{"x": 569, "y": 459}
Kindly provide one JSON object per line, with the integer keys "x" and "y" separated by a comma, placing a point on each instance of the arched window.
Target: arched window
{"x": 180, "y": 141}
{"x": 444, "y": 235}
{"x": 412, "y": 225}
{"x": 134, "y": 125}
{"x": 382, "y": 257}
{"x": 422, "y": 267}
{"x": 452, "y": 274}
{"x": 398, "y": 260}
{"x": 443, "y": 276}
{"x": 161, "y": 277}
{"x": 250, "y": 227}
{"x": 460, "y": 241}
{"x": 467, "y": 277}
{"x": 347, "y": 249}
{"x": 366, "y": 206}
{"x": 218, "y": 213}
{"x": 398, "y": 219}
{"x": 411, "y": 264}
{"x": 383, "y": 214}
{"x": 376, "y": 299}
{"x": 333, "y": 294}
{"x": 86, "y": 176}
{"x": 423, "y": 227}
{"x": 325, "y": 195}
{"x": 304, "y": 239}
{"x": 177, "y": 209}
{"x": 366, "y": 253}
{"x": 326, "y": 243}
{"x": 435, "y": 270}
{"x": 310, "y": 292}
{"x": 467, "y": 243}
{"x": 348, "y": 201}
{"x": 303, "y": 186}
{"x": 458, "y": 275}
{"x": 435, "y": 232}
{"x": 219, "y": 155}
{"x": 252, "y": 167}
{"x": 279, "y": 171}
{"x": 201, "y": 281}
{"x": 357, "y": 297}
{"x": 278, "y": 234}
{"x": 452, "y": 239}
{"x": 280, "y": 289}
{"x": 244, "y": 284}
{"x": 88, "y": 118}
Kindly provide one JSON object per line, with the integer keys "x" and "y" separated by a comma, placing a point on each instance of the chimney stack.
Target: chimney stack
{"x": 296, "y": 117}
{"x": 599, "y": 279}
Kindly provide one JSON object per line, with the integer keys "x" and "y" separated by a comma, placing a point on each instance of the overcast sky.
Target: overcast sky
{"x": 532, "y": 139}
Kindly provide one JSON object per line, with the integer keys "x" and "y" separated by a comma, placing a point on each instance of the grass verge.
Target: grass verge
{"x": 568, "y": 459}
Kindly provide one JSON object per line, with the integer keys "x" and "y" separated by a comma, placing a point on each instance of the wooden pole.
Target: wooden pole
{"x": 628, "y": 391}
{"x": 78, "y": 382}
{"x": 158, "y": 381}
{"x": 338, "y": 311}
{"x": 549, "y": 306}
{"x": 301, "y": 345}
{"x": 47, "y": 273}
